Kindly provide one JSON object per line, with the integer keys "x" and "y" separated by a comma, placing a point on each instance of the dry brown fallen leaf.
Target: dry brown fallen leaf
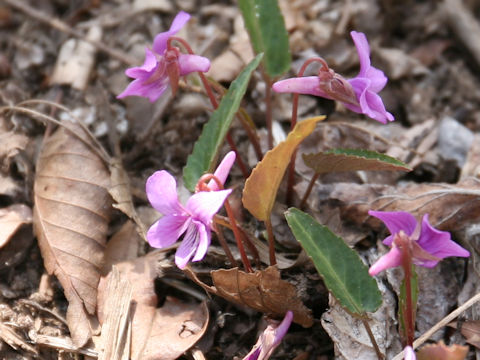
{"x": 163, "y": 333}
{"x": 263, "y": 291}
{"x": 11, "y": 219}
{"x": 441, "y": 351}
{"x": 471, "y": 330}
{"x": 71, "y": 215}
{"x": 450, "y": 206}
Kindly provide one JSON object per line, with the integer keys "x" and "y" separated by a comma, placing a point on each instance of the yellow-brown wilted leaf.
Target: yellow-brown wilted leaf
{"x": 163, "y": 333}
{"x": 263, "y": 291}
{"x": 71, "y": 215}
{"x": 441, "y": 351}
{"x": 262, "y": 185}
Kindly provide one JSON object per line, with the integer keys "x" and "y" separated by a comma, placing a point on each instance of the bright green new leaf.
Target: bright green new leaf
{"x": 266, "y": 27}
{"x": 262, "y": 185}
{"x": 205, "y": 150}
{"x": 342, "y": 270}
{"x": 339, "y": 160}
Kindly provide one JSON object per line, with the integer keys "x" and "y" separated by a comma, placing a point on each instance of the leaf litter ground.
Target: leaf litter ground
{"x": 426, "y": 50}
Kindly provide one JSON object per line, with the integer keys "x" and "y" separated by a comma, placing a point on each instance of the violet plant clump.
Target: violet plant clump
{"x": 412, "y": 244}
{"x": 194, "y": 219}
{"x": 426, "y": 244}
{"x": 163, "y": 65}
{"x": 359, "y": 94}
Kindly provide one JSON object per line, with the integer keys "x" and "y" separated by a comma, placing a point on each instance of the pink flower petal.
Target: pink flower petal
{"x": 148, "y": 65}
{"x": 396, "y": 221}
{"x": 166, "y": 231}
{"x": 192, "y": 63}
{"x": 205, "y": 204}
{"x": 378, "y": 80}
{"x": 160, "y": 41}
{"x": 151, "y": 91}
{"x": 161, "y": 191}
{"x": 309, "y": 85}
{"x": 391, "y": 259}
{"x": 439, "y": 243}
{"x": 376, "y": 109}
{"x": 363, "y": 50}
{"x": 189, "y": 244}
{"x": 222, "y": 171}
{"x": 203, "y": 241}
{"x": 409, "y": 353}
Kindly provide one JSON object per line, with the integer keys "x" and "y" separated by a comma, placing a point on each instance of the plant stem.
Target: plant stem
{"x": 223, "y": 243}
{"x": 213, "y": 101}
{"x": 309, "y": 190}
{"x": 268, "y": 108}
{"x": 271, "y": 242}
{"x": 409, "y": 319}
{"x": 238, "y": 237}
{"x": 293, "y": 122}
{"x": 372, "y": 338}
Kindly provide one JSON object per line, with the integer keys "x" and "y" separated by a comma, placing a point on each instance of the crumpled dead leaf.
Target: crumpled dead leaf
{"x": 71, "y": 215}
{"x": 11, "y": 219}
{"x": 263, "y": 291}
{"x": 163, "y": 333}
{"x": 440, "y": 351}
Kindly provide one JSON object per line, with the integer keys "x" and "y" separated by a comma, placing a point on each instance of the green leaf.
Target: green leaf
{"x": 202, "y": 159}
{"x": 342, "y": 270}
{"x": 266, "y": 27}
{"x": 339, "y": 160}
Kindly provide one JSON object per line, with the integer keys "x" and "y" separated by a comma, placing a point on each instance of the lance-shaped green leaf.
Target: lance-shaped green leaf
{"x": 262, "y": 185}
{"x": 342, "y": 270}
{"x": 206, "y": 148}
{"x": 339, "y": 160}
{"x": 266, "y": 27}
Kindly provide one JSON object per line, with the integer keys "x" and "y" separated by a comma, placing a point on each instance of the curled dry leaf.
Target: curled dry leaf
{"x": 11, "y": 219}
{"x": 163, "y": 333}
{"x": 71, "y": 215}
{"x": 440, "y": 351}
{"x": 263, "y": 291}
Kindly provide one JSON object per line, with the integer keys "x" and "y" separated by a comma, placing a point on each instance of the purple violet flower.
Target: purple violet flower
{"x": 194, "y": 219}
{"x": 427, "y": 244}
{"x": 163, "y": 66}
{"x": 270, "y": 338}
{"x": 359, "y": 94}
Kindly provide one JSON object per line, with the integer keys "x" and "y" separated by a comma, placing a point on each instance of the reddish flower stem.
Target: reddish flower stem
{"x": 224, "y": 244}
{"x": 213, "y": 101}
{"x": 202, "y": 186}
{"x": 271, "y": 242}
{"x": 408, "y": 312}
{"x": 309, "y": 190}
{"x": 268, "y": 107}
{"x": 291, "y": 167}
